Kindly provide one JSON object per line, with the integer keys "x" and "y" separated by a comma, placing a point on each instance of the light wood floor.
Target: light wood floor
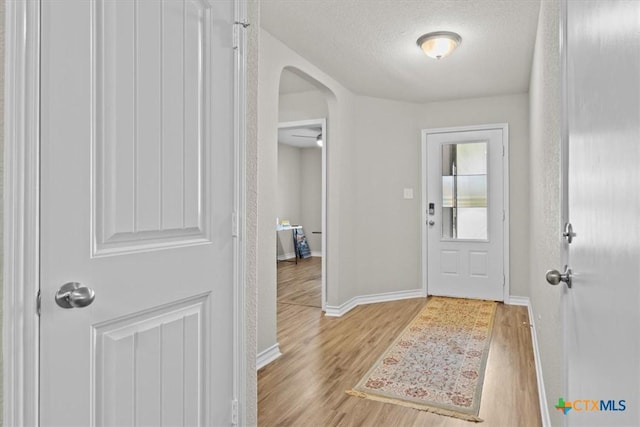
{"x": 323, "y": 356}
{"x": 300, "y": 284}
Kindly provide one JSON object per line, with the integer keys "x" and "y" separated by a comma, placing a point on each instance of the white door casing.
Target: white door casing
{"x": 138, "y": 190}
{"x": 21, "y": 214}
{"x": 322, "y": 123}
{"x": 470, "y": 259}
{"x": 601, "y": 119}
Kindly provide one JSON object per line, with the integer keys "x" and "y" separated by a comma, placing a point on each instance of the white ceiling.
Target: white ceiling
{"x": 369, "y": 46}
{"x": 299, "y": 137}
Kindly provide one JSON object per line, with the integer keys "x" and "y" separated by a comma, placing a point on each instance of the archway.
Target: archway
{"x": 301, "y": 191}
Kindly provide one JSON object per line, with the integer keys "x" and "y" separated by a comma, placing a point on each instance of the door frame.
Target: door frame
{"x": 323, "y": 124}
{"x": 504, "y": 127}
{"x": 564, "y": 188}
{"x": 21, "y": 210}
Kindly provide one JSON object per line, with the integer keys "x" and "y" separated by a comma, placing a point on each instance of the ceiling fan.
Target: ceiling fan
{"x": 318, "y": 138}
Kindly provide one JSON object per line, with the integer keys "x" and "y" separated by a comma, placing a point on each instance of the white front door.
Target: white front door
{"x": 137, "y": 196}
{"x": 464, "y": 212}
{"x": 602, "y": 308}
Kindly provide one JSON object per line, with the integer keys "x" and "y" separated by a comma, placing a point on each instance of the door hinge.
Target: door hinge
{"x": 236, "y": 32}
{"x": 234, "y": 412}
{"x": 503, "y": 151}
{"x": 504, "y": 280}
{"x": 236, "y": 37}
{"x": 568, "y": 232}
{"x": 38, "y": 303}
{"x": 234, "y": 224}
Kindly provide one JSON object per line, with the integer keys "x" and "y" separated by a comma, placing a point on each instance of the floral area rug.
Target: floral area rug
{"x": 437, "y": 364}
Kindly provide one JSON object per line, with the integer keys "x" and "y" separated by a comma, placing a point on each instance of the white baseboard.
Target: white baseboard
{"x": 516, "y": 300}
{"x": 267, "y": 356}
{"x": 284, "y": 257}
{"x": 341, "y": 310}
{"x": 292, "y": 255}
{"x": 542, "y": 395}
{"x": 337, "y": 311}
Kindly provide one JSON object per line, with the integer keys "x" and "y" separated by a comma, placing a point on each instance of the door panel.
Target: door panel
{"x": 136, "y": 203}
{"x": 465, "y": 236}
{"x": 602, "y": 307}
{"x": 154, "y": 360}
{"x": 149, "y": 161}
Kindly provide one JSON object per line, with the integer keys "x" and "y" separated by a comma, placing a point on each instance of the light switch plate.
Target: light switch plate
{"x": 408, "y": 193}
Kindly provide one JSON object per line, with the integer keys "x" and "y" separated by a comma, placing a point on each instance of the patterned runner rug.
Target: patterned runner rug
{"x": 437, "y": 363}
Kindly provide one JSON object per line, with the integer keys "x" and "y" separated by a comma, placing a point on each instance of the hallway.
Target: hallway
{"x": 323, "y": 356}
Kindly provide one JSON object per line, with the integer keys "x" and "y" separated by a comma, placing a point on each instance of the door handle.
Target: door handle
{"x": 554, "y": 277}
{"x": 432, "y": 222}
{"x": 74, "y": 295}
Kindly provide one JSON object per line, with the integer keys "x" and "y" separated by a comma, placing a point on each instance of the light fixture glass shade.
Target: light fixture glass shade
{"x": 439, "y": 44}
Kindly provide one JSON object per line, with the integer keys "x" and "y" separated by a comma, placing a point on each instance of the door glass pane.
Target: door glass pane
{"x": 472, "y": 223}
{"x": 472, "y": 158}
{"x": 447, "y": 191}
{"x": 464, "y": 191}
{"x": 471, "y": 191}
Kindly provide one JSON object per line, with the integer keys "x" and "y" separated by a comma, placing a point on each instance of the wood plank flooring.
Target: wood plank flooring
{"x": 323, "y": 356}
{"x": 301, "y": 284}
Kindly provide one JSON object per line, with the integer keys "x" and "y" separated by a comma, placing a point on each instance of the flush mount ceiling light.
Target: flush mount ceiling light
{"x": 439, "y": 44}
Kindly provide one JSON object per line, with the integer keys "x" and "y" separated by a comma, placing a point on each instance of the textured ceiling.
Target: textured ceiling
{"x": 369, "y": 46}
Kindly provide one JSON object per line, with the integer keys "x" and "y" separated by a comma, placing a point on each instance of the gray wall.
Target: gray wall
{"x": 387, "y": 140}
{"x": 299, "y": 196}
{"x": 289, "y": 193}
{"x": 311, "y": 198}
{"x": 544, "y": 200}
{"x": 302, "y": 106}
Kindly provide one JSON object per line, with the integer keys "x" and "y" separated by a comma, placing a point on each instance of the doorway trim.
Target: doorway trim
{"x": 21, "y": 216}
{"x": 564, "y": 199}
{"x": 323, "y": 124}
{"x": 239, "y": 404}
{"x": 21, "y": 212}
{"x": 504, "y": 127}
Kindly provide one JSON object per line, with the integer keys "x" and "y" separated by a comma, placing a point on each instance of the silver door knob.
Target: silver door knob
{"x": 554, "y": 277}
{"x": 74, "y": 295}
{"x": 432, "y": 223}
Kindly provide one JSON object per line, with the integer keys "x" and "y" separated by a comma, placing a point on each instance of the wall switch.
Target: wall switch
{"x": 408, "y": 193}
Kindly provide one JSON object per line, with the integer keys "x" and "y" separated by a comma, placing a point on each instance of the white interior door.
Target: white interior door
{"x": 465, "y": 213}
{"x": 602, "y": 309}
{"x": 137, "y": 154}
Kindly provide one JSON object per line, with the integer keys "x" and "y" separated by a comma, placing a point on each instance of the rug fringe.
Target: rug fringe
{"x": 420, "y": 407}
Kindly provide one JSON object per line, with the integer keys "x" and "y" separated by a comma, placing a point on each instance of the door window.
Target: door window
{"x": 464, "y": 191}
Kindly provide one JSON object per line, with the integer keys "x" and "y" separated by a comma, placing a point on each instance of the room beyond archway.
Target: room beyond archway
{"x": 301, "y": 191}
